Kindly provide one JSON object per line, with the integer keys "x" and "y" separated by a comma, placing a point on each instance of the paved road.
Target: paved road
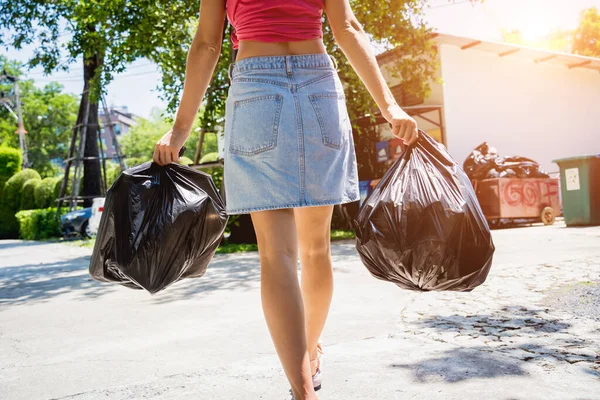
{"x": 64, "y": 336}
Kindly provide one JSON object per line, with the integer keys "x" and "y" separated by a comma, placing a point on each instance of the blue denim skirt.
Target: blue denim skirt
{"x": 288, "y": 139}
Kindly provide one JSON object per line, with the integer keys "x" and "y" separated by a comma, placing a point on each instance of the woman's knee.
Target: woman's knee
{"x": 278, "y": 255}
{"x": 316, "y": 251}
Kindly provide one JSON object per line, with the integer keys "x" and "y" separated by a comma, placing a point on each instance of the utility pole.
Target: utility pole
{"x": 20, "y": 127}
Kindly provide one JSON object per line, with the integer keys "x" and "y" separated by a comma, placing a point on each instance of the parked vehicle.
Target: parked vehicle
{"x": 97, "y": 208}
{"x": 76, "y": 223}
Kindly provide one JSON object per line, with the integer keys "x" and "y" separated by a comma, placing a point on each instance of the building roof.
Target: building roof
{"x": 119, "y": 114}
{"x": 570, "y": 61}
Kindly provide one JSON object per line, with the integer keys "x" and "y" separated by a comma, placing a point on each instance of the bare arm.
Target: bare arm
{"x": 352, "y": 39}
{"x": 202, "y": 59}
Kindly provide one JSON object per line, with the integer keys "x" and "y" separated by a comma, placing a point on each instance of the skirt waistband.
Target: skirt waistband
{"x": 287, "y": 62}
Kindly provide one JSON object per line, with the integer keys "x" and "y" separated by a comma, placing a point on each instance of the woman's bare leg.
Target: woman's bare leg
{"x": 313, "y": 225}
{"x": 281, "y": 296}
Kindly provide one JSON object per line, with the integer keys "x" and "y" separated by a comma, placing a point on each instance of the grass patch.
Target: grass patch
{"x": 338, "y": 234}
{"x": 236, "y": 248}
{"x": 88, "y": 243}
{"x": 223, "y": 249}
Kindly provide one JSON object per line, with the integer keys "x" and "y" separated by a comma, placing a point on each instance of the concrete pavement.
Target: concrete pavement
{"x": 64, "y": 336}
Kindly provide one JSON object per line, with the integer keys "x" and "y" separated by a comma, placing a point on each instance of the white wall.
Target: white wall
{"x": 540, "y": 111}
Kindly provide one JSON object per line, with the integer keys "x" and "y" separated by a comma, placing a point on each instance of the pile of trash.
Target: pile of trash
{"x": 485, "y": 163}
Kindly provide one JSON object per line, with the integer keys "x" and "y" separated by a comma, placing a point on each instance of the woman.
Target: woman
{"x": 289, "y": 154}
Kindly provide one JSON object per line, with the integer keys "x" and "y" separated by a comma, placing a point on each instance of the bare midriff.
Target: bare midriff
{"x": 253, "y": 48}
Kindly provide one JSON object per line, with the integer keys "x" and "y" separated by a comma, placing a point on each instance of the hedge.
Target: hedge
{"x": 185, "y": 161}
{"x": 11, "y": 202}
{"x": 38, "y": 224}
{"x": 209, "y": 157}
{"x": 44, "y": 193}
{"x": 133, "y": 161}
{"x": 58, "y": 185}
{"x": 28, "y": 197}
{"x": 10, "y": 161}
{"x": 112, "y": 173}
{"x": 10, "y": 164}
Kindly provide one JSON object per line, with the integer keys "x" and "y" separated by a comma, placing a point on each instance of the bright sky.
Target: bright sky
{"x": 135, "y": 88}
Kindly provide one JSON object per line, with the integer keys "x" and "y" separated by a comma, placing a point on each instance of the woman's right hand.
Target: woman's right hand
{"x": 403, "y": 126}
{"x": 167, "y": 148}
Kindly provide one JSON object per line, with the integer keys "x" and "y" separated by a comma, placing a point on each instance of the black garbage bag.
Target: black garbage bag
{"x": 480, "y": 163}
{"x": 160, "y": 224}
{"x": 421, "y": 227}
{"x": 485, "y": 163}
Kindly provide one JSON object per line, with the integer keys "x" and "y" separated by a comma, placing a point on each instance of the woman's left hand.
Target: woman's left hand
{"x": 167, "y": 148}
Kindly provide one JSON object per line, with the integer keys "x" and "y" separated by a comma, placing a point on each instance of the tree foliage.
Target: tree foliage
{"x": 106, "y": 35}
{"x": 586, "y": 38}
{"x": 139, "y": 142}
{"x": 110, "y": 34}
{"x": 115, "y": 32}
{"x": 48, "y": 116}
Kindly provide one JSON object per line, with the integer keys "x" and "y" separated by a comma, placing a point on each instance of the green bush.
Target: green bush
{"x": 10, "y": 164}
{"x": 11, "y": 202}
{"x": 38, "y": 224}
{"x": 58, "y": 185}
{"x": 133, "y": 161}
{"x": 28, "y": 197}
{"x": 217, "y": 175}
{"x": 209, "y": 157}
{"x": 112, "y": 173}
{"x": 44, "y": 193}
{"x": 185, "y": 161}
{"x": 10, "y": 161}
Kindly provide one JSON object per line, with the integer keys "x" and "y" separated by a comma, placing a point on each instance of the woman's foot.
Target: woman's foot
{"x": 315, "y": 368}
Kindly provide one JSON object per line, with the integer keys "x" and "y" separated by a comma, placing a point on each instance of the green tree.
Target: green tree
{"x": 586, "y": 38}
{"x": 48, "y": 115}
{"x": 106, "y": 36}
{"x": 139, "y": 143}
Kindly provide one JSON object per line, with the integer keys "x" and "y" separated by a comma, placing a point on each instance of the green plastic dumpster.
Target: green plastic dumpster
{"x": 580, "y": 189}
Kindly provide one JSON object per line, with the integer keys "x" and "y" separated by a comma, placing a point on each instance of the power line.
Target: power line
{"x": 456, "y": 3}
{"x": 75, "y": 79}
{"x": 79, "y": 69}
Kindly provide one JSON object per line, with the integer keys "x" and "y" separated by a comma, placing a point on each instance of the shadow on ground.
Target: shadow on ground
{"x": 38, "y": 282}
{"x": 521, "y": 333}
{"x": 234, "y": 272}
{"x": 461, "y": 364}
{"x": 506, "y": 322}
{"x": 15, "y": 244}
{"x": 239, "y": 272}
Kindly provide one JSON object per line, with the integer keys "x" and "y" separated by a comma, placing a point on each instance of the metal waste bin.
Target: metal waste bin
{"x": 580, "y": 189}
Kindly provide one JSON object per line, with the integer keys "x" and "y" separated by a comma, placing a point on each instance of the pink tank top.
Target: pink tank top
{"x": 274, "y": 20}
